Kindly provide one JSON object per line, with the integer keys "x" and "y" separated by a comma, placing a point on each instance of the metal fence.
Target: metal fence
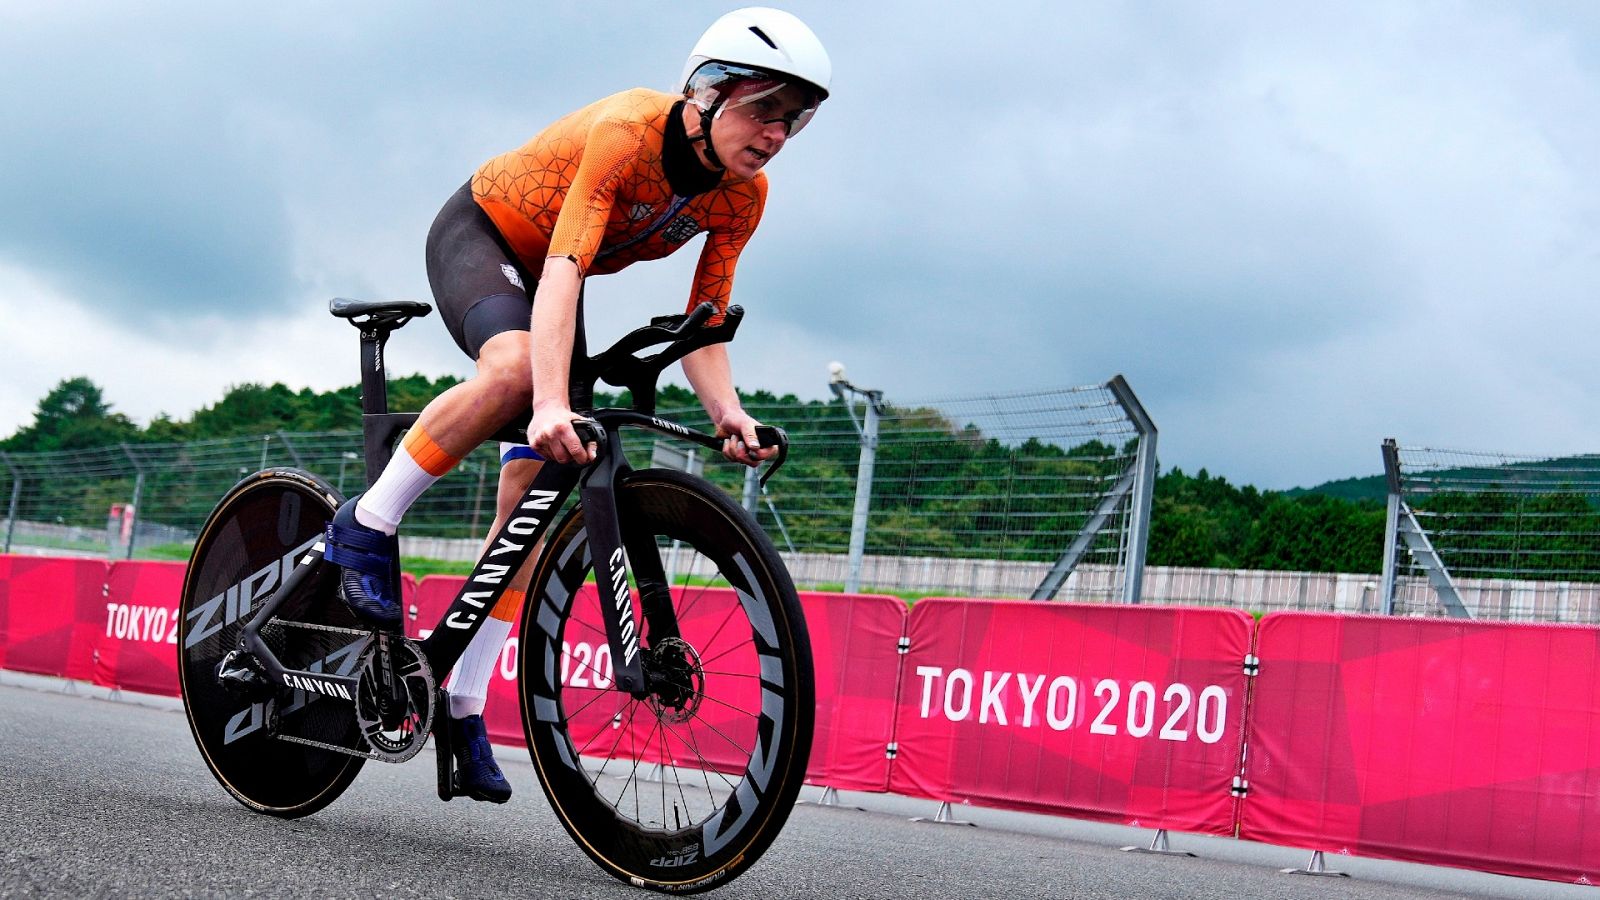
{"x": 958, "y": 488}
{"x": 1492, "y": 535}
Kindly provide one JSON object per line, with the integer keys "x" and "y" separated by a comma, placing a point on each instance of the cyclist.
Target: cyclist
{"x": 631, "y": 177}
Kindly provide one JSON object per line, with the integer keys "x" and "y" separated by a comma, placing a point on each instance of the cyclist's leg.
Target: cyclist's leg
{"x": 477, "y": 774}
{"x": 480, "y": 291}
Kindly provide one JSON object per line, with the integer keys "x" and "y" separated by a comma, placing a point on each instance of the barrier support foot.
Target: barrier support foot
{"x": 1159, "y": 845}
{"x": 1316, "y": 867}
{"x": 830, "y": 797}
{"x": 943, "y": 817}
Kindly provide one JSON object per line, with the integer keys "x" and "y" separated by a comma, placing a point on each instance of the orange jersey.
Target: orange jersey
{"x": 592, "y": 186}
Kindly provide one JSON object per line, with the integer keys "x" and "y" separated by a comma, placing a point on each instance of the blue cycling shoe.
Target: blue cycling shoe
{"x": 477, "y": 774}
{"x": 367, "y": 556}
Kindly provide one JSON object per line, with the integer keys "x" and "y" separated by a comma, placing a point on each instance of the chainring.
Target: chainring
{"x": 404, "y": 735}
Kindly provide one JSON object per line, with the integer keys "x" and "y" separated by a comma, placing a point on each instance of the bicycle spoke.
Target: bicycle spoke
{"x": 689, "y": 601}
{"x": 718, "y": 732}
{"x": 706, "y": 766}
{"x": 738, "y": 709}
{"x": 710, "y": 642}
{"x": 593, "y": 671}
{"x": 574, "y": 620}
{"x": 734, "y": 649}
{"x": 633, "y": 776}
{"x": 626, "y": 727}
{"x": 598, "y": 696}
{"x": 598, "y": 734}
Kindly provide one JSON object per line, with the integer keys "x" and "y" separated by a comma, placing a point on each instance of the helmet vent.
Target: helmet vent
{"x": 763, "y": 35}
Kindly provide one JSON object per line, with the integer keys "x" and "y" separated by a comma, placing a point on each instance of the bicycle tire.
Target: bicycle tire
{"x": 248, "y": 545}
{"x": 753, "y": 706}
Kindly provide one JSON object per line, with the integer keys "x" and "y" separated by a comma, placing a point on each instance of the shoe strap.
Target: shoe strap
{"x": 362, "y": 549}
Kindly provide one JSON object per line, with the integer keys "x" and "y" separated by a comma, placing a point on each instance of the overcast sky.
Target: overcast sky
{"x": 1297, "y": 228}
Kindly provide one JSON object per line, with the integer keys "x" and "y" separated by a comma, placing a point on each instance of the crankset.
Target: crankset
{"x": 395, "y": 698}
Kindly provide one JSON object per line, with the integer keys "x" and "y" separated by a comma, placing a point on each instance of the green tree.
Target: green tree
{"x": 74, "y": 415}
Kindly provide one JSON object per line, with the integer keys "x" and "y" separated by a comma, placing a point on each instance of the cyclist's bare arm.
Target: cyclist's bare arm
{"x": 555, "y": 317}
{"x": 711, "y": 376}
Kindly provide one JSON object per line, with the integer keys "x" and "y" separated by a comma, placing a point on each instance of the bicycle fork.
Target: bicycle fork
{"x": 611, "y": 560}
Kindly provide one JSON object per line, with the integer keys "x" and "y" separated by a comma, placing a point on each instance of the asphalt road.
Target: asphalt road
{"x": 101, "y": 798}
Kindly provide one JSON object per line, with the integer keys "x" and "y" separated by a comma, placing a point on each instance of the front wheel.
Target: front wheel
{"x": 682, "y": 789}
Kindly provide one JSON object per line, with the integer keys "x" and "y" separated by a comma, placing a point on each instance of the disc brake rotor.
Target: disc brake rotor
{"x": 677, "y": 680}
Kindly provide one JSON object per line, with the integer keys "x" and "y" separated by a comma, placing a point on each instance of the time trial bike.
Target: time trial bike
{"x": 664, "y": 670}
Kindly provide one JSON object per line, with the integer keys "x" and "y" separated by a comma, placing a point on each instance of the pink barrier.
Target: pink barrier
{"x": 1447, "y": 742}
{"x": 50, "y": 613}
{"x": 1456, "y": 743}
{"x": 854, "y": 647}
{"x": 137, "y": 645}
{"x": 1120, "y": 713}
{"x": 855, "y": 642}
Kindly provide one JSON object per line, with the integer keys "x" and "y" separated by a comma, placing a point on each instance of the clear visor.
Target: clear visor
{"x": 754, "y": 94}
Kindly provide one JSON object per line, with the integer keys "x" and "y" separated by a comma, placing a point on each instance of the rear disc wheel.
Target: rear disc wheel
{"x": 249, "y": 545}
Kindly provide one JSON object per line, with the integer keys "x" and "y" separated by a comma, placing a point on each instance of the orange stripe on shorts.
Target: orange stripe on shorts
{"x": 430, "y": 456}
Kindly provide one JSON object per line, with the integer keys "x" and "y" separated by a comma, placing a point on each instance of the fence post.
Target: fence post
{"x": 138, "y": 495}
{"x": 869, "y": 455}
{"x": 752, "y": 488}
{"x": 477, "y": 500}
{"x": 293, "y": 453}
{"x": 1391, "y": 527}
{"x": 16, "y": 493}
{"x": 1144, "y": 486}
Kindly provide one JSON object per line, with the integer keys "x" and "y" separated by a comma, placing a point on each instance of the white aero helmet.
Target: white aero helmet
{"x": 756, "y": 44}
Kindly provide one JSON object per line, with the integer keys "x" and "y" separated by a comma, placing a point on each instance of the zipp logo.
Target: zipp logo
{"x": 329, "y": 688}
{"x": 687, "y": 856}
{"x": 239, "y": 600}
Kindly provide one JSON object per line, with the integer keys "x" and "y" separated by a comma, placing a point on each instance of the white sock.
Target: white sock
{"x": 469, "y": 682}
{"x": 413, "y": 470}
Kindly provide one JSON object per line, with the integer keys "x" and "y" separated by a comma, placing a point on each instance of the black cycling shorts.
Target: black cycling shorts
{"x": 479, "y": 285}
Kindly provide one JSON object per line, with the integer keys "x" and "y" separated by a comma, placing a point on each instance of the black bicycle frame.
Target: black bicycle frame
{"x": 516, "y": 539}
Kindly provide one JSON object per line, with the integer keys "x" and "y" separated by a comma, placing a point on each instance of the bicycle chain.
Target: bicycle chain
{"x": 316, "y": 627}
{"x": 323, "y": 745}
{"x": 335, "y": 748}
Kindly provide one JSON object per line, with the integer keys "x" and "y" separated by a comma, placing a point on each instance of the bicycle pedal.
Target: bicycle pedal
{"x": 444, "y": 753}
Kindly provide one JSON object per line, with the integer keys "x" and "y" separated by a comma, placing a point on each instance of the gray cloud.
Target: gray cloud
{"x": 1297, "y": 229}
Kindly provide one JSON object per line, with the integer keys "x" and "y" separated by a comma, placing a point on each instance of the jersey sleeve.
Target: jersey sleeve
{"x": 610, "y": 148}
{"x": 733, "y": 220}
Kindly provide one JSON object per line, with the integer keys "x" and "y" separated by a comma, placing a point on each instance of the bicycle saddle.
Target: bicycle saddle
{"x": 371, "y": 312}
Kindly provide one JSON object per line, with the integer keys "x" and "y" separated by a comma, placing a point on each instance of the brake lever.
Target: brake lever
{"x": 767, "y": 436}
{"x": 591, "y": 432}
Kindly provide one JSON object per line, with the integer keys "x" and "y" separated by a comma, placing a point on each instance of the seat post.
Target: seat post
{"x": 374, "y": 383}
{"x": 379, "y": 427}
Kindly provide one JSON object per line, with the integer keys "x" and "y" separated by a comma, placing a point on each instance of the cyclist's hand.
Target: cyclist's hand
{"x": 741, "y": 445}
{"x": 551, "y": 434}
